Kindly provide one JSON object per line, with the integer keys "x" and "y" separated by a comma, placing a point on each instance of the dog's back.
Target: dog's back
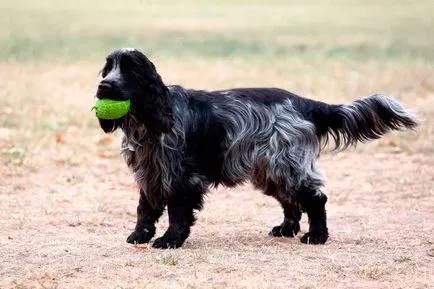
{"x": 270, "y": 134}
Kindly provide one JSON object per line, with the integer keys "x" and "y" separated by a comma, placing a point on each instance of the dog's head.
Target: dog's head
{"x": 129, "y": 74}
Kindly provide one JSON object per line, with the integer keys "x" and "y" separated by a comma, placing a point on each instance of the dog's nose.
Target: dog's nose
{"x": 105, "y": 86}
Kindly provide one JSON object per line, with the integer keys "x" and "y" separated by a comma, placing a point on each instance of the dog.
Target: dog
{"x": 180, "y": 142}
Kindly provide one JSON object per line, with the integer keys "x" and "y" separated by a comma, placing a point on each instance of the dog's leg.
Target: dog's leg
{"x": 147, "y": 216}
{"x": 291, "y": 222}
{"x": 307, "y": 194}
{"x": 181, "y": 208}
{"x": 291, "y": 209}
{"x": 313, "y": 202}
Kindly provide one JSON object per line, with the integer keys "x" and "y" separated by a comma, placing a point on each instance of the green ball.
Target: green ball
{"x": 111, "y": 109}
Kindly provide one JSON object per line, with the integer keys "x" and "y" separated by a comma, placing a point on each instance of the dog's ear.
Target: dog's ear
{"x": 154, "y": 108}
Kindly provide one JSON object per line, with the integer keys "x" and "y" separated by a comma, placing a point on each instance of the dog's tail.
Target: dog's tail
{"x": 365, "y": 119}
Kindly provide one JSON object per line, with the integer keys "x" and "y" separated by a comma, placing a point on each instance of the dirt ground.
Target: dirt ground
{"x": 68, "y": 201}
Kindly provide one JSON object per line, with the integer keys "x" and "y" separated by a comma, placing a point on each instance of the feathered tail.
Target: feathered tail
{"x": 365, "y": 119}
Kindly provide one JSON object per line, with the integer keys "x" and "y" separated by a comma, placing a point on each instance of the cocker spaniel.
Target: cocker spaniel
{"x": 179, "y": 142}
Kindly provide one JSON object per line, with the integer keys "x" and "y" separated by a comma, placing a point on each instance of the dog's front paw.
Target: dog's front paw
{"x": 140, "y": 237}
{"x": 316, "y": 236}
{"x": 167, "y": 243}
{"x": 285, "y": 230}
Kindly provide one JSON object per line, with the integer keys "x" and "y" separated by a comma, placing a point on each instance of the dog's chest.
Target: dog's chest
{"x": 152, "y": 165}
{"x": 142, "y": 159}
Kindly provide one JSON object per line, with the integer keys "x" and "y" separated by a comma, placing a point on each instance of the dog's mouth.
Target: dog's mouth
{"x": 110, "y": 125}
{"x": 112, "y": 95}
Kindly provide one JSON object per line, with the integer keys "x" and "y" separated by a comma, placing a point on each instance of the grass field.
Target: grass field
{"x": 68, "y": 201}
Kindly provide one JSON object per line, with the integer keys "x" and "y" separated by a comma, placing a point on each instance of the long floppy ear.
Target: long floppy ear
{"x": 155, "y": 107}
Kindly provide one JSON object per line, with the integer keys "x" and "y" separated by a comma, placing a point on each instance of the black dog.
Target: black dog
{"x": 179, "y": 142}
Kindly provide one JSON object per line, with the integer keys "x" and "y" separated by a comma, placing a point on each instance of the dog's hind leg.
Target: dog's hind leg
{"x": 291, "y": 211}
{"x": 301, "y": 186}
{"x": 309, "y": 199}
{"x": 313, "y": 202}
{"x": 291, "y": 222}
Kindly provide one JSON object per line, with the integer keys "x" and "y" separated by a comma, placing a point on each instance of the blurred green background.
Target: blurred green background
{"x": 50, "y": 30}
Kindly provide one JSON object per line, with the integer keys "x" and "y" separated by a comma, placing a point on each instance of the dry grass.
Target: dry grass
{"x": 68, "y": 201}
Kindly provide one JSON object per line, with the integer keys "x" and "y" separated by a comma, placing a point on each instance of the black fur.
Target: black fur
{"x": 179, "y": 142}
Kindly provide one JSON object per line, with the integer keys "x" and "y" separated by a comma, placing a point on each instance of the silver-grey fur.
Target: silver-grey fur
{"x": 273, "y": 139}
